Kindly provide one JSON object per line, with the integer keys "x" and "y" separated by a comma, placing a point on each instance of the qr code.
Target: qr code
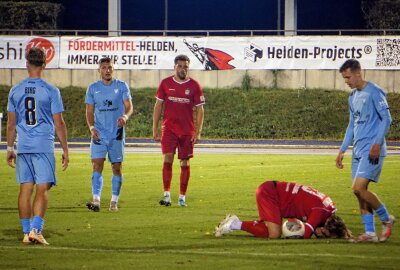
{"x": 388, "y": 52}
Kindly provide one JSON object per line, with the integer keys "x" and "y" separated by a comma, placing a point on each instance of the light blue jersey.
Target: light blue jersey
{"x": 34, "y": 102}
{"x": 108, "y": 101}
{"x": 369, "y": 120}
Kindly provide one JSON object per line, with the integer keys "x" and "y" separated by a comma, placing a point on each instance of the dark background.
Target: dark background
{"x": 211, "y": 14}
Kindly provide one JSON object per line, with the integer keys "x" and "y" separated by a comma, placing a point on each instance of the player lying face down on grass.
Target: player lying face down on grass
{"x": 277, "y": 200}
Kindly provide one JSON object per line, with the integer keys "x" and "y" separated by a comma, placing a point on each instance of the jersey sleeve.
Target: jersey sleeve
{"x": 199, "y": 97}
{"x": 56, "y": 102}
{"x": 10, "y": 103}
{"x": 126, "y": 92}
{"x": 316, "y": 218}
{"x": 348, "y": 138}
{"x": 382, "y": 108}
{"x": 89, "y": 95}
{"x": 379, "y": 100}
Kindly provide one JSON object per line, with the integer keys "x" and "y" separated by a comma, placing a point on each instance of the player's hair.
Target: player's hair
{"x": 337, "y": 228}
{"x": 352, "y": 64}
{"x": 181, "y": 57}
{"x": 36, "y": 57}
{"x": 104, "y": 60}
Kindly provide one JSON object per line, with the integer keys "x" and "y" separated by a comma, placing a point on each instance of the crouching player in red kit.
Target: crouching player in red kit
{"x": 178, "y": 95}
{"x": 277, "y": 200}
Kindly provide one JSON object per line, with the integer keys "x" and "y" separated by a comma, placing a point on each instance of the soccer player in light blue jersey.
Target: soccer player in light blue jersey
{"x": 108, "y": 108}
{"x": 34, "y": 114}
{"x": 369, "y": 122}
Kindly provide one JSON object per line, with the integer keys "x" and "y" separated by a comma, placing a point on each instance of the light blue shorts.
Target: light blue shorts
{"x": 114, "y": 148}
{"x": 361, "y": 167}
{"x": 36, "y": 168}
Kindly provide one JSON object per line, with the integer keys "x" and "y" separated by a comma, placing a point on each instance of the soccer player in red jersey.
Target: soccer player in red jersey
{"x": 277, "y": 200}
{"x": 177, "y": 95}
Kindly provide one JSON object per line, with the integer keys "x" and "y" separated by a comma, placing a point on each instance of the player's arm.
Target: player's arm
{"x": 348, "y": 139}
{"x": 128, "y": 111}
{"x": 199, "y": 122}
{"x": 156, "y": 118}
{"x": 316, "y": 217}
{"x": 11, "y": 133}
{"x": 383, "y": 128}
{"x": 90, "y": 121}
{"x": 61, "y": 131}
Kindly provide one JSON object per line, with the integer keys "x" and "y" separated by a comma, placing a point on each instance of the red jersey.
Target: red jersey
{"x": 304, "y": 203}
{"x": 179, "y": 99}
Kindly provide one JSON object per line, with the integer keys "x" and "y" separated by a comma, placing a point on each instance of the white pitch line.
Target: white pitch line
{"x": 202, "y": 252}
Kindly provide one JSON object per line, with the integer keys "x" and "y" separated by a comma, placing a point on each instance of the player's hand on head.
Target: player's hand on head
{"x": 11, "y": 158}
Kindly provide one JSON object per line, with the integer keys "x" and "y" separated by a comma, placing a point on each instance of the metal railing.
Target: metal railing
{"x": 275, "y": 32}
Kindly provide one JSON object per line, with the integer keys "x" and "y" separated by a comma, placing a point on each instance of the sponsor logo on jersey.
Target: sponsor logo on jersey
{"x": 107, "y": 103}
{"x": 179, "y": 100}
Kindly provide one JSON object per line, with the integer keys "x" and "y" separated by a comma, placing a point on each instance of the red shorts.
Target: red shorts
{"x": 170, "y": 141}
{"x": 268, "y": 203}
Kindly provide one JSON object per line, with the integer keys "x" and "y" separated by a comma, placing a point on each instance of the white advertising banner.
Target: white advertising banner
{"x": 13, "y": 48}
{"x": 207, "y": 53}
{"x": 219, "y": 53}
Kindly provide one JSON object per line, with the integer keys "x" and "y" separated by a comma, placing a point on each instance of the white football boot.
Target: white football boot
{"x": 224, "y": 226}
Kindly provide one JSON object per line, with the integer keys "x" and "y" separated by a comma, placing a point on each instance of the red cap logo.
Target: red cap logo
{"x": 44, "y": 44}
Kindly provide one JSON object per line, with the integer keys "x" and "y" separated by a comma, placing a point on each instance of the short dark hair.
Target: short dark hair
{"x": 181, "y": 57}
{"x": 352, "y": 64}
{"x": 104, "y": 60}
{"x": 36, "y": 57}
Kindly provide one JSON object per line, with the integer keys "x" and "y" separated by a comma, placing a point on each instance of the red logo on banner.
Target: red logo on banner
{"x": 44, "y": 44}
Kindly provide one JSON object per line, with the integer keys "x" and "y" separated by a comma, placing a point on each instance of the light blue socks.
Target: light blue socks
{"x": 26, "y": 225}
{"x": 97, "y": 185}
{"x": 369, "y": 223}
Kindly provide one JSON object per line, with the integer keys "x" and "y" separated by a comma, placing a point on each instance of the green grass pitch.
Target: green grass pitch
{"x": 144, "y": 235}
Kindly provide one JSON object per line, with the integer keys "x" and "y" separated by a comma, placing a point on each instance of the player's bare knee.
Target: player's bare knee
{"x": 116, "y": 168}
{"x": 185, "y": 163}
{"x": 169, "y": 158}
{"x": 357, "y": 191}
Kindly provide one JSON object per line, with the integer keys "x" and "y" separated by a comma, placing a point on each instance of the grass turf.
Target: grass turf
{"x": 144, "y": 235}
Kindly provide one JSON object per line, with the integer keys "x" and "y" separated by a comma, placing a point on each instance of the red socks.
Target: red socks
{"x": 258, "y": 229}
{"x": 167, "y": 175}
{"x": 185, "y": 175}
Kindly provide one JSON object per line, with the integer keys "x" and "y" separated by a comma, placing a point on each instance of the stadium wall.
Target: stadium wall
{"x": 285, "y": 79}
